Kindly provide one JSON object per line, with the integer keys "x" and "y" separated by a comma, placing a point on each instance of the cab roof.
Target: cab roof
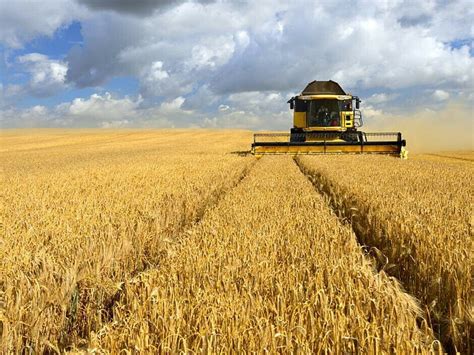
{"x": 323, "y": 88}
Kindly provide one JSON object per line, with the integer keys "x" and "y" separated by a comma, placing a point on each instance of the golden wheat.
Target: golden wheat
{"x": 148, "y": 241}
{"x": 268, "y": 269}
{"x": 417, "y": 215}
{"x": 82, "y": 213}
{"x": 446, "y": 156}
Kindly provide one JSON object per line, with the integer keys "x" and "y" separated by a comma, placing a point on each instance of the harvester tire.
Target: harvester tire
{"x": 350, "y": 137}
{"x": 297, "y": 137}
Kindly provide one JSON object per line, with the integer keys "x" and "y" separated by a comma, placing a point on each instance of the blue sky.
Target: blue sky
{"x": 57, "y": 47}
{"x": 172, "y": 63}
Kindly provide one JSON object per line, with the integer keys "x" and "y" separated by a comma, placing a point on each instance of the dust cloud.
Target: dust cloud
{"x": 432, "y": 131}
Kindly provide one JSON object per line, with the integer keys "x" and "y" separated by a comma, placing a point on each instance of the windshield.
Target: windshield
{"x": 323, "y": 113}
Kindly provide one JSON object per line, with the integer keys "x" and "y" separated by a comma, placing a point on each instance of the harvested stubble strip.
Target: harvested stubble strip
{"x": 270, "y": 268}
{"x": 467, "y": 156}
{"x": 418, "y": 214}
{"x": 73, "y": 228}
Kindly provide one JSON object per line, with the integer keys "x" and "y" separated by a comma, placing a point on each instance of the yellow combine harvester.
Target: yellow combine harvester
{"x": 325, "y": 121}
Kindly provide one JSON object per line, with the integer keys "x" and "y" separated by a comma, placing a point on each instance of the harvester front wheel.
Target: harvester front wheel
{"x": 351, "y": 137}
{"x": 297, "y": 136}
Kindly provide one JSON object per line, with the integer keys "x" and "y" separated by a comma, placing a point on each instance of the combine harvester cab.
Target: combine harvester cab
{"x": 326, "y": 121}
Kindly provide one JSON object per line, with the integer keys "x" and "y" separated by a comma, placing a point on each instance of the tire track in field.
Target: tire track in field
{"x": 268, "y": 268}
{"x": 71, "y": 323}
{"x": 375, "y": 255}
{"x": 442, "y": 156}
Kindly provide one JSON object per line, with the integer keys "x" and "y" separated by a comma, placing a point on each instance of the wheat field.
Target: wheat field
{"x": 417, "y": 218}
{"x": 177, "y": 241}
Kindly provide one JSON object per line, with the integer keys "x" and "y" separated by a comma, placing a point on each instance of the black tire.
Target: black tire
{"x": 297, "y": 136}
{"x": 351, "y": 137}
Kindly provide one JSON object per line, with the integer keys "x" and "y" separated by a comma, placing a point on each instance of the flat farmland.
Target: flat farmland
{"x": 178, "y": 241}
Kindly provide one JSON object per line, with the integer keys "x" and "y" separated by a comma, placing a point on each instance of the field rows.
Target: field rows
{"x": 269, "y": 268}
{"x": 73, "y": 232}
{"x": 164, "y": 241}
{"x": 417, "y": 217}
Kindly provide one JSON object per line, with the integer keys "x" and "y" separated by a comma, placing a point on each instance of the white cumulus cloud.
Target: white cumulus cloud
{"x": 440, "y": 95}
{"x": 23, "y": 20}
{"x": 222, "y": 63}
{"x": 47, "y": 76}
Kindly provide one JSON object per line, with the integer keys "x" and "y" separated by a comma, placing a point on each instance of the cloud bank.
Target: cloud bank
{"x": 234, "y": 64}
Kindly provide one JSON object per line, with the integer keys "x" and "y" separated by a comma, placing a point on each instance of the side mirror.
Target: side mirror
{"x": 292, "y": 103}
{"x": 357, "y": 103}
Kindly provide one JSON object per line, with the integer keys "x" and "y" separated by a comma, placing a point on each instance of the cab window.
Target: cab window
{"x": 345, "y": 105}
{"x": 323, "y": 113}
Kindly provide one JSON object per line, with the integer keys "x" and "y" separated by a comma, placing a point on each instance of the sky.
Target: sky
{"x": 230, "y": 64}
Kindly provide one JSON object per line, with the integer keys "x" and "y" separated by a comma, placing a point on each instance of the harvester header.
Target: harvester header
{"x": 326, "y": 121}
